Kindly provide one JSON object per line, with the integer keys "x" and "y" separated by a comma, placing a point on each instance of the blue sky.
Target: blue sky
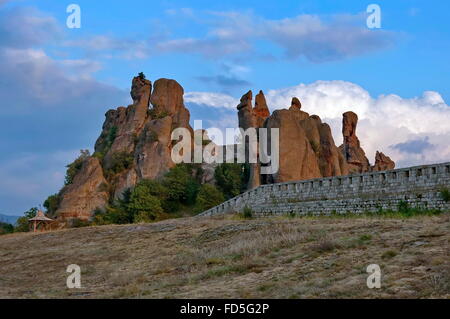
{"x": 56, "y": 83}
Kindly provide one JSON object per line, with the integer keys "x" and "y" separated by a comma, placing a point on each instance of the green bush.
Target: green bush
{"x": 120, "y": 162}
{"x": 51, "y": 204}
{"x": 247, "y": 213}
{"x": 403, "y": 208}
{"x": 208, "y": 197}
{"x": 445, "y": 194}
{"x": 182, "y": 184}
{"x": 6, "y": 228}
{"x": 22, "y": 222}
{"x": 143, "y": 206}
{"x": 75, "y": 166}
{"x": 231, "y": 179}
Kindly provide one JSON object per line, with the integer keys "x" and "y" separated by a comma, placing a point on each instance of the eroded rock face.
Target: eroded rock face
{"x": 297, "y": 158}
{"x": 140, "y": 91}
{"x": 253, "y": 117}
{"x": 141, "y": 133}
{"x": 295, "y": 104}
{"x": 330, "y": 159}
{"x": 123, "y": 125}
{"x": 87, "y": 192}
{"x": 382, "y": 163}
{"x": 153, "y": 151}
{"x": 351, "y": 149}
{"x": 261, "y": 110}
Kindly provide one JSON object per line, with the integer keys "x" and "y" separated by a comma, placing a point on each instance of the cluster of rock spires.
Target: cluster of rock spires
{"x": 307, "y": 147}
{"x": 142, "y": 132}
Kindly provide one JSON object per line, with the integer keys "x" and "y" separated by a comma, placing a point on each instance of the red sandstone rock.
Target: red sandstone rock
{"x": 87, "y": 192}
{"x": 382, "y": 163}
{"x": 351, "y": 149}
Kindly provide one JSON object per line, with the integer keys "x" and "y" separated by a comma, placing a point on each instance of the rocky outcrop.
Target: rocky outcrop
{"x": 382, "y": 163}
{"x": 295, "y": 104}
{"x": 330, "y": 159}
{"x": 253, "y": 117}
{"x": 351, "y": 149}
{"x": 135, "y": 144}
{"x": 297, "y": 159}
{"x": 87, "y": 192}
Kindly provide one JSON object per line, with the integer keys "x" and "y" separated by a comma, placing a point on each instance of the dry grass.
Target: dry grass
{"x": 229, "y": 258}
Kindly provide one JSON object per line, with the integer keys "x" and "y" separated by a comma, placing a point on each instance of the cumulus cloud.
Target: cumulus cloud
{"x": 411, "y": 130}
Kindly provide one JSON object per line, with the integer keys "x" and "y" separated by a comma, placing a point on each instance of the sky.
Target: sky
{"x": 56, "y": 83}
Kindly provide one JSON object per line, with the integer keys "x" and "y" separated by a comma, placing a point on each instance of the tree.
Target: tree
{"x": 182, "y": 184}
{"x": 22, "y": 222}
{"x": 75, "y": 166}
{"x": 230, "y": 179}
{"x": 6, "y": 228}
{"x": 141, "y": 75}
{"x": 143, "y": 206}
{"x": 51, "y": 204}
{"x": 208, "y": 197}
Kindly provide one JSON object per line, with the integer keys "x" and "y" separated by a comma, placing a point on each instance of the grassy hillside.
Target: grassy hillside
{"x": 228, "y": 257}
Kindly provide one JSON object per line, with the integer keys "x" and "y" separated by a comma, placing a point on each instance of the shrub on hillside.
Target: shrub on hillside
{"x": 75, "y": 166}
{"x": 22, "y": 222}
{"x": 231, "y": 178}
{"x": 51, "y": 204}
{"x": 6, "y": 228}
{"x": 208, "y": 197}
{"x": 120, "y": 162}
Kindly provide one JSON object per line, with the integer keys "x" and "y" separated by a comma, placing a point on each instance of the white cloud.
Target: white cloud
{"x": 384, "y": 121}
{"x": 211, "y": 99}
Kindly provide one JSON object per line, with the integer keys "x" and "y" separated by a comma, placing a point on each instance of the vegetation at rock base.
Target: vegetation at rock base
{"x": 51, "y": 204}
{"x": 231, "y": 178}
{"x": 22, "y": 222}
{"x": 6, "y": 228}
{"x": 178, "y": 193}
{"x": 75, "y": 166}
{"x": 208, "y": 197}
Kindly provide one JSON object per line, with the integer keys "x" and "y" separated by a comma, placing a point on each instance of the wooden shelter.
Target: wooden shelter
{"x": 39, "y": 222}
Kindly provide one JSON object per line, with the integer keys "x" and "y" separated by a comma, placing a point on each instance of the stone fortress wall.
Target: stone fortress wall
{"x": 419, "y": 186}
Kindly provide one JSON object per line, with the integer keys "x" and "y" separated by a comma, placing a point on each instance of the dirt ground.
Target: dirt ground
{"x": 321, "y": 257}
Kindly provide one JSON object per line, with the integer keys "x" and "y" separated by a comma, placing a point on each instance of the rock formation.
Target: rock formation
{"x": 250, "y": 117}
{"x": 351, "y": 149}
{"x": 87, "y": 192}
{"x": 135, "y": 144}
{"x": 382, "y": 163}
{"x": 297, "y": 157}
